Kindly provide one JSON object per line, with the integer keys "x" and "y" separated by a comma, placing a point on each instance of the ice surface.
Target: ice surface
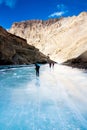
{"x": 56, "y": 100}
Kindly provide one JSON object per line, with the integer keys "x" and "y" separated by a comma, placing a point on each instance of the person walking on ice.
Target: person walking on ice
{"x": 37, "y": 67}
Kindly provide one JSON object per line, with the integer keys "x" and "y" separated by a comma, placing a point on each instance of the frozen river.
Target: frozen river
{"x": 56, "y": 100}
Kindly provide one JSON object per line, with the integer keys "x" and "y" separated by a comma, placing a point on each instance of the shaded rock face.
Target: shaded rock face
{"x": 62, "y": 39}
{"x": 15, "y": 50}
{"x": 79, "y": 62}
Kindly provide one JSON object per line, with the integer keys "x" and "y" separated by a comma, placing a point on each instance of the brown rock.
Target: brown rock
{"x": 79, "y": 62}
{"x": 15, "y": 50}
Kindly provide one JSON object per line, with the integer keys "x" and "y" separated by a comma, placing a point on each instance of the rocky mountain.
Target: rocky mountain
{"x": 15, "y": 50}
{"x": 61, "y": 39}
{"x": 79, "y": 62}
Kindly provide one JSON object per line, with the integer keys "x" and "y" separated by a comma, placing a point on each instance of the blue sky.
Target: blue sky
{"x": 19, "y": 10}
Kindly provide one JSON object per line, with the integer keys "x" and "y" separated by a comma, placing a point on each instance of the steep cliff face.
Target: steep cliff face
{"x": 15, "y": 50}
{"x": 79, "y": 62}
{"x": 62, "y": 39}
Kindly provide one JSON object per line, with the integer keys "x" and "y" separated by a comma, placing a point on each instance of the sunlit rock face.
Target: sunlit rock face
{"x": 62, "y": 39}
{"x": 15, "y": 50}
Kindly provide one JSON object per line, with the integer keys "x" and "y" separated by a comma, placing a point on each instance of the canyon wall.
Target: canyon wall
{"x": 61, "y": 39}
{"x": 15, "y": 50}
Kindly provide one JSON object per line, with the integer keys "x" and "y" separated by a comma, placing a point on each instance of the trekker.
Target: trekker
{"x": 37, "y": 69}
{"x": 53, "y": 64}
{"x": 50, "y": 64}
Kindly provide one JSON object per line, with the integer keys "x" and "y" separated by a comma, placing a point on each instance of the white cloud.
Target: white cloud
{"x": 9, "y": 3}
{"x": 62, "y": 9}
{"x": 58, "y": 14}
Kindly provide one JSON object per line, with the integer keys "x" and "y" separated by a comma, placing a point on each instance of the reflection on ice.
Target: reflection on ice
{"x": 56, "y": 100}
